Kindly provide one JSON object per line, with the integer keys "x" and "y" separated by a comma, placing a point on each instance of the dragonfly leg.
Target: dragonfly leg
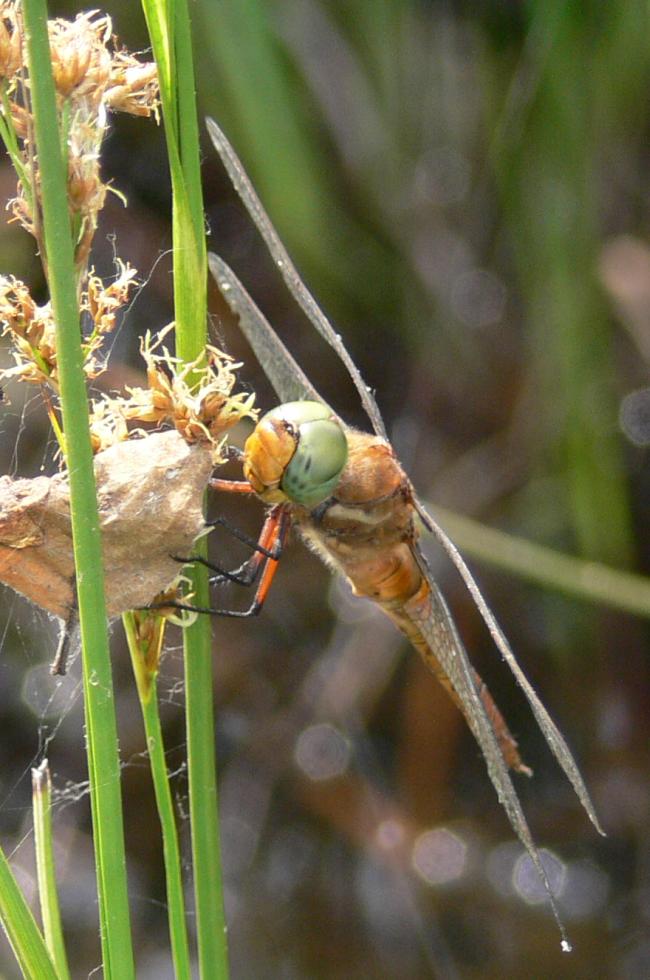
{"x": 248, "y": 570}
{"x": 234, "y": 452}
{"x": 230, "y": 486}
{"x": 237, "y": 575}
{"x": 266, "y": 557}
{"x": 245, "y": 538}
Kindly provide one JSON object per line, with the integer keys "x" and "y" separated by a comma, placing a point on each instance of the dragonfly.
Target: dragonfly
{"x": 350, "y": 500}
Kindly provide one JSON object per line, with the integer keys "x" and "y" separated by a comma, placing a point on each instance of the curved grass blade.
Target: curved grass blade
{"x": 288, "y": 271}
{"x": 20, "y": 927}
{"x": 45, "y": 869}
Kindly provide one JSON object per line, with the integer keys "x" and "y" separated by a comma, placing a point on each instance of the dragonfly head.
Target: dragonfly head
{"x": 296, "y": 453}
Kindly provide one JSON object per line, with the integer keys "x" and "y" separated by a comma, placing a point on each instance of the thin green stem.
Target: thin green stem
{"x": 10, "y": 141}
{"x": 144, "y": 647}
{"x": 47, "y": 891}
{"x": 169, "y": 28}
{"x": 21, "y": 929}
{"x": 101, "y": 731}
{"x": 204, "y": 813}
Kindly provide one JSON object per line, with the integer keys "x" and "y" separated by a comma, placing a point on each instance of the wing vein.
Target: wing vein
{"x": 553, "y": 736}
{"x": 434, "y": 621}
{"x": 288, "y": 271}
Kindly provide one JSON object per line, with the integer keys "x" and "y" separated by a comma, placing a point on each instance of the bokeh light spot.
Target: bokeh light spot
{"x": 439, "y": 856}
{"x": 478, "y": 298}
{"x": 500, "y": 865}
{"x": 390, "y": 834}
{"x": 586, "y": 891}
{"x": 529, "y": 885}
{"x": 634, "y": 417}
{"x": 322, "y": 752}
{"x": 45, "y": 695}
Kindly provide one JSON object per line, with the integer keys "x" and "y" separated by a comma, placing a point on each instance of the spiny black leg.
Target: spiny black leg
{"x": 200, "y": 560}
{"x": 245, "y": 575}
{"x": 234, "y": 453}
{"x": 248, "y": 571}
{"x": 240, "y": 576}
{"x": 253, "y": 610}
{"x": 274, "y": 532}
{"x": 252, "y": 543}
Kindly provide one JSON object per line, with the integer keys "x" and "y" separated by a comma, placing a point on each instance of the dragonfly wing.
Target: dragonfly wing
{"x": 434, "y": 621}
{"x": 550, "y": 731}
{"x": 288, "y": 271}
{"x": 283, "y": 371}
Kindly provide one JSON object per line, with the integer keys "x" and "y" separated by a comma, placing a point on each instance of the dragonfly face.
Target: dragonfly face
{"x": 296, "y": 454}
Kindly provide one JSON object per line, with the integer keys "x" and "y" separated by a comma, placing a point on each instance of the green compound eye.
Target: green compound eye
{"x": 321, "y": 452}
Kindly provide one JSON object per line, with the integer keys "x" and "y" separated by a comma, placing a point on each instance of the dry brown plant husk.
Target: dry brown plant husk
{"x": 149, "y": 495}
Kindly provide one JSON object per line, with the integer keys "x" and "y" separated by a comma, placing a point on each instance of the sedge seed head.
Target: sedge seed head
{"x": 10, "y": 42}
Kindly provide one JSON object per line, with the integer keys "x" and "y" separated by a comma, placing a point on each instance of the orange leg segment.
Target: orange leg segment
{"x": 230, "y": 486}
{"x": 272, "y": 538}
{"x": 268, "y": 551}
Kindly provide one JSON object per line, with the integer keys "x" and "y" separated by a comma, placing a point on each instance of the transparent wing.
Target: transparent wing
{"x": 433, "y": 618}
{"x": 283, "y": 371}
{"x": 549, "y": 729}
{"x": 288, "y": 271}
{"x": 434, "y": 621}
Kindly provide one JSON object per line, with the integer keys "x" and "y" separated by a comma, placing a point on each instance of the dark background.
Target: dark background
{"x": 465, "y": 188}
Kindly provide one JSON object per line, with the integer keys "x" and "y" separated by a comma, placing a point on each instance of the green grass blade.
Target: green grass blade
{"x": 171, "y": 42}
{"x": 587, "y": 580}
{"x": 552, "y": 159}
{"x": 208, "y": 885}
{"x": 21, "y": 929}
{"x": 47, "y": 891}
{"x": 145, "y": 668}
{"x": 190, "y": 273}
{"x": 103, "y": 762}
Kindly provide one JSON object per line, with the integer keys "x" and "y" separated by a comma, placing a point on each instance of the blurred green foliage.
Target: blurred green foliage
{"x": 452, "y": 180}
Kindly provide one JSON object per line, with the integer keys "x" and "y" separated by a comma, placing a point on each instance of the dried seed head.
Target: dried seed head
{"x": 103, "y": 302}
{"x": 33, "y": 336}
{"x": 197, "y": 399}
{"x": 31, "y": 329}
{"x": 10, "y": 42}
{"x": 133, "y": 86}
{"x": 17, "y": 308}
{"x": 22, "y": 212}
{"x": 80, "y": 59}
{"x": 107, "y": 426}
{"x": 70, "y": 63}
{"x": 20, "y": 120}
{"x": 86, "y": 192}
{"x": 91, "y": 77}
